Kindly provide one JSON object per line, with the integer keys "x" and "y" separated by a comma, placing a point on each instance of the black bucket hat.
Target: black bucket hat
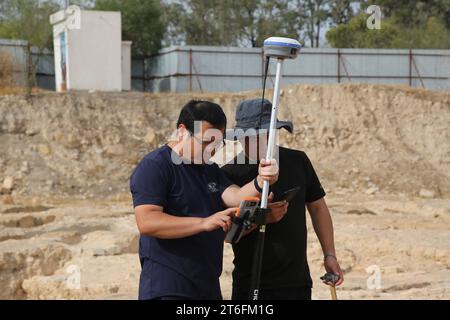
{"x": 252, "y": 117}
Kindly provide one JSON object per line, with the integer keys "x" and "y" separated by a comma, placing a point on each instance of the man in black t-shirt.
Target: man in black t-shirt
{"x": 285, "y": 273}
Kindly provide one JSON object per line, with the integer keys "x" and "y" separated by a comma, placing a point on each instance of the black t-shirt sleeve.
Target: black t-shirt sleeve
{"x": 229, "y": 173}
{"x": 314, "y": 190}
{"x": 149, "y": 184}
{"x": 223, "y": 180}
{"x": 240, "y": 174}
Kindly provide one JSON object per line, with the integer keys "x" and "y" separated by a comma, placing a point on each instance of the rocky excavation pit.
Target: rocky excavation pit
{"x": 91, "y": 252}
{"x": 67, "y": 228}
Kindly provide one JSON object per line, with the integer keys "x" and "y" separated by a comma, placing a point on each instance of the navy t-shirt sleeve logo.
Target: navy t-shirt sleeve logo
{"x": 212, "y": 187}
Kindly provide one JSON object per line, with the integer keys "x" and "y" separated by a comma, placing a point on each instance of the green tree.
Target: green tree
{"x": 310, "y": 17}
{"x": 355, "y": 34}
{"x": 229, "y": 22}
{"x": 315, "y": 14}
{"x": 28, "y": 20}
{"x": 433, "y": 34}
{"x": 249, "y": 22}
{"x": 141, "y": 23}
{"x": 202, "y": 22}
{"x": 420, "y": 23}
{"x": 413, "y": 13}
{"x": 257, "y": 20}
{"x": 341, "y": 11}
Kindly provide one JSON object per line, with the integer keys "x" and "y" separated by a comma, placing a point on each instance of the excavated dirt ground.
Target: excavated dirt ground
{"x": 67, "y": 228}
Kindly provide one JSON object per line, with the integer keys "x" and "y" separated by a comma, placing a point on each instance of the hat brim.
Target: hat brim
{"x": 239, "y": 133}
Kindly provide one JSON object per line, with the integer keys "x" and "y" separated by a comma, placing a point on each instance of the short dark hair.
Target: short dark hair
{"x": 200, "y": 110}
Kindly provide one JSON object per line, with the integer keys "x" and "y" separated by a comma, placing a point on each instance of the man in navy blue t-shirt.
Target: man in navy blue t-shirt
{"x": 180, "y": 200}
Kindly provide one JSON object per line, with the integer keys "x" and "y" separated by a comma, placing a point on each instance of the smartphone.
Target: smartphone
{"x": 288, "y": 195}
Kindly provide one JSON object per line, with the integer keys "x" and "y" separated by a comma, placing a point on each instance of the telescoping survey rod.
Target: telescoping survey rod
{"x": 279, "y": 48}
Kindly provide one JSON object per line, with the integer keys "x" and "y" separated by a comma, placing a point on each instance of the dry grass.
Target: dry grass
{"x": 15, "y": 90}
{"x": 8, "y": 85}
{"x": 4, "y": 90}
{"x": 6, "y": 70}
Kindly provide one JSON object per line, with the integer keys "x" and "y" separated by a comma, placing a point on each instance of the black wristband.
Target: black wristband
{"x": 257, "y": 187}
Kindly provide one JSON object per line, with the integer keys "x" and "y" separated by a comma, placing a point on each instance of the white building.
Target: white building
{"x": 88, "y": 50}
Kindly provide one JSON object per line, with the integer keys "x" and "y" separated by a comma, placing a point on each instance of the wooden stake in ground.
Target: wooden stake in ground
{"x": 333, "y": 293}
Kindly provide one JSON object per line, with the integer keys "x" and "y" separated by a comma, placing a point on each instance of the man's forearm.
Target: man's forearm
{"x": 249, "y": 190}
{"x": 323, "y": 226}
{"x": 234, "y": 194}
{"x": 166, "y": 226}
{"x": 268, "y": 171}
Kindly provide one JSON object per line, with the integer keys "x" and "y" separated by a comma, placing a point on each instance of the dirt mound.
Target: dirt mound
{"x": 368, "y": 138}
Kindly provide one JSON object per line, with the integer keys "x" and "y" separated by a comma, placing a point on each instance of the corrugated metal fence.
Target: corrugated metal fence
{"x": 198, "y": 68}
{"x": 212, "y": 69}
{"x": 24, "y": 63}
{"x": 16, "y": 52}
